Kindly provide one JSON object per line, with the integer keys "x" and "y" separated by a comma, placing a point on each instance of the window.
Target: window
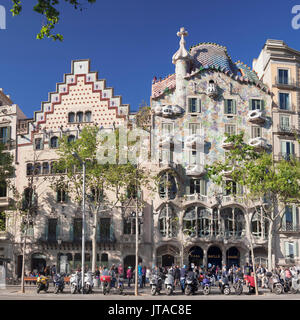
{"x": 71, "y": 138}
{"x": 167, "y": 186}
{"x": 229, "y": 106}
{"x": 193, "y": 157}
{"x": 283, "y": 76}
{"x": 45, "y": 168}
{"x": 29, "y": 169}
{"x": 3, "y": 189}
{"x": 61, "y": 195}
{"x": 291, "y": 249}
{"x": 37, "y": 169}
{"x": 104, "y": 260}
{"x": 129, "y": 226}
{"x": 284, "y": 123}
{"x": 287, "y": 149}
{"x": 197, "y": 222}
{"x": 291, "y": 219}
{"x": 38, "y": 144}
{"x": 255, "y": 132}
{"x": 53, "y": 169}
{"x": 88, "y": 116}
{"x": 284, "y": 101}
{"x": 232, "y": 188}
{"x": 194, "y": 105}
{"x": 105, "y": 228}
{"x": 71, "y": 117}
{"x": 167, "y": 128}
{"x": 234, "y": 222}
{"x": 77, "y": 229}
{"x": 52, "y": 229}
{"x": 198, "y": 186}
{"x": 230, "y": 129}
{"x": 167, "y": 155}
{"x": 4, "y": 134}
{"x": 259, "y": 224}
{"x": 194, "y": 128}
{"x": 54, "y": 142}
{"x": 255, "y": 104}
{"x": 79, "y": 116}
{"x": 168, "y": 222}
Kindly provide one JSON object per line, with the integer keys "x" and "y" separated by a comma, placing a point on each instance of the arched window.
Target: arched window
{"x": 215, "y": 223}
{"x": 168, "y": 222}
{"x": 88, "y": 116}
{"x": 234, "y": 222}
{"x": 259, "y": 224}
{"x": 45, "y": 168}
{"x": 71, "y": 138}
{"x": 167, "y": 186}
{"x": 79, "y": 116}
{"x": 37, "y": 169}
{"x": 54, "y": 142}
{"x": 190, "y": 222}
{"x": 71, "y": 117}
{"x": 203, "y": 223}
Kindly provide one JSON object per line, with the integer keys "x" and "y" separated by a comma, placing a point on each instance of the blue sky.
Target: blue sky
{"x": 131, "y": 41}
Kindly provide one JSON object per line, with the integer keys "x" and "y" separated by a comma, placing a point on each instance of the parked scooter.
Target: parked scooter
{"x": 155, "y": 284}
{"x": 169, "y": 283}
{"x": 224, "y": 285}
{"x": 191, "y": 284}
{"x": 42, "y": 283}
{"x": 238, "y": 286}
{"x": 59, "y": 283}
{"x": 275, "y": 284}
{"x": 88, "y": 282}
{"x": 75, "y": 282}
{"x": 206, "y": 285}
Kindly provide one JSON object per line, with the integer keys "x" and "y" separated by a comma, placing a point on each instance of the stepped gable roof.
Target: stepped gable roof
{"x": 207, "y": 55}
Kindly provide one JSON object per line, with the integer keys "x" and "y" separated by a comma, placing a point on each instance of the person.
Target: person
{"x": 250, "y": 282}
{"x": 183, "y": 273}
{"x": 129, "y": 275}
{"x": 148, "y": 274}
{"x": 53, "y": 270}
{"x": 97, "y": 275}
{"x": 144, "y": 270}
{"x": 247, "y": 269}
{"x": 120, "y": 270}
{"x": 177, "y": 276}
{"x": 140, "y": 275}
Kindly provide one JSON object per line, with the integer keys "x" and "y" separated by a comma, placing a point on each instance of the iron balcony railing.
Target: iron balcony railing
{"x": 290, "y": 227}
{"x": 290, "y": 82}
{"x": 286, "y": 129}
{"x": 286, "y": 156}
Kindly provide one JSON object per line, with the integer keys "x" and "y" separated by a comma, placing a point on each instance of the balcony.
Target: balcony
{"x": 286, "y": 156}
{"x": 227, "y": 145}
{"x": 4, "y": 201}
{"x": 4, "y": 235}
{"x": 192, "y": 141}
{"x": 195, "y": 170}
{"x": 166, "y": 140}
{"x": 289, "y": 83}
{"x": 9, "y": 144}
{"x": 286, "y": 130}
{"x": 256, "y": 116}
{"x": 290, "y": 228}
{"x": 196, "y": 197}
{"x": 168, "y": 111}
{"x": 211, "y": 90}
{"x": 233, "y": 198}
{"x": 259, "y": 143}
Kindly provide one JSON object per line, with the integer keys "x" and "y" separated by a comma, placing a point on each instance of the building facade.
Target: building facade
{"x": 278, "y": 66}
{"x": 188, "y": 219}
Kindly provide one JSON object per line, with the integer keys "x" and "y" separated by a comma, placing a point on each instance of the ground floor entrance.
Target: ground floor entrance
{"x": 214, "y": 256}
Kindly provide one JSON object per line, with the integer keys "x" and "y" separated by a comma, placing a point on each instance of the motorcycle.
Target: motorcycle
{"x": 224, "y": 285}
{"x": 75, "y": 282}
{"x": 275, "y": 284}
{"x": 59, "y": 283}
{"x": 191, "y": 285}
{"x": 88, "y": 282}
{"x": 105, "y": 282}
{"x": 155, "y": 284}
{"x": 238, "y": 286}
{"x": 295, "y": 284}
{"x": 42, "y": 283}
{"x": 206, "y": 284}
{"x": 169, "y": 284}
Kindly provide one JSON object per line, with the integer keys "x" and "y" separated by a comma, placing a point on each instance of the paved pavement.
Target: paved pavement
{"x": 13, "y": 293}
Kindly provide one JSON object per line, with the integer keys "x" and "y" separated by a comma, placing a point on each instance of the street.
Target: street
{"x": 13, "y": 293}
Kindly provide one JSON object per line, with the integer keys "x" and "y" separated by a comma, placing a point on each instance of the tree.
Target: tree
{"x": 269, "y": 186}
{"x": 48, "y": 9}
{"x": 106, "y": 183}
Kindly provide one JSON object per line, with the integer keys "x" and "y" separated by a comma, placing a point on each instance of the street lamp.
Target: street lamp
{"x": 76, "y": 156}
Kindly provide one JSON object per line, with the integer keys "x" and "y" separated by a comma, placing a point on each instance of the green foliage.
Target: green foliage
{"x": 48, "y": 9}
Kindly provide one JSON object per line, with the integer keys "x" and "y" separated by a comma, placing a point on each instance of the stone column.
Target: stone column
{"x": 205, "y": 257}
{"x": 223, "y": 255}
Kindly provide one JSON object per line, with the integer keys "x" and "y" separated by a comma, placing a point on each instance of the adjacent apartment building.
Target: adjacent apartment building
{"x": 189, "y": 219}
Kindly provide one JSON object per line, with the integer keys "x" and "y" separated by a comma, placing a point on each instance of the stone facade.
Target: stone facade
{"x": 188, "y": 219}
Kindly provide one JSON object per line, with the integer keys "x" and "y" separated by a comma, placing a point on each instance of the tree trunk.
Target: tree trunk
{"x": 94, "y": 242}
{"x": 270, "y": 243}
{"x": 23, "y": 258}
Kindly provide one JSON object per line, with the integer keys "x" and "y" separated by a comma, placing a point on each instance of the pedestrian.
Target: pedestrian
{"x": 177, "y": 276}
{"x": 183, "y": 273}
{"x": 148, "y": 274}
{"x": 129, "y": 275}
{"x": 140, "y": 275}
{"x": 120, "y": 270}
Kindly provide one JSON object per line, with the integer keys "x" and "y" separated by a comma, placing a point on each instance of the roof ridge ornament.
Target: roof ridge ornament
{"x": 181, "y": 53}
